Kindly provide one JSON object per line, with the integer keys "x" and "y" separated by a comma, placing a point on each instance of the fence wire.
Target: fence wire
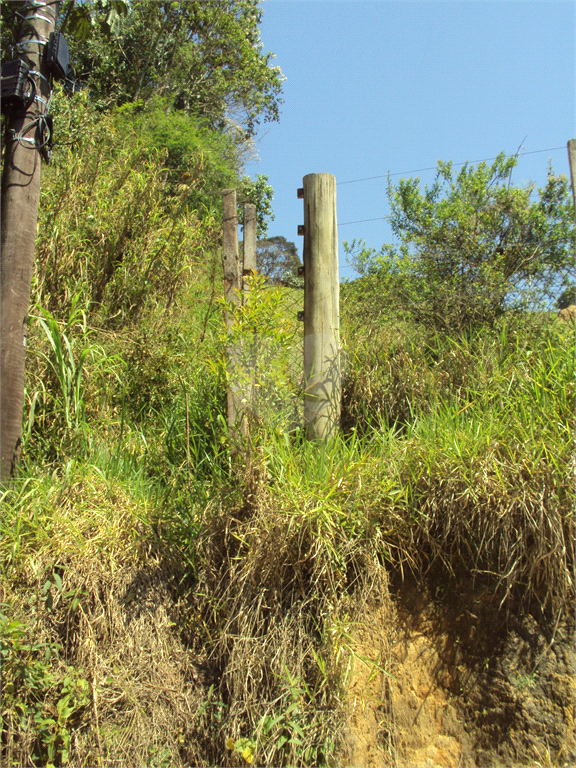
{"x": 267, "y": 339}
{"x": 293, "y": 304}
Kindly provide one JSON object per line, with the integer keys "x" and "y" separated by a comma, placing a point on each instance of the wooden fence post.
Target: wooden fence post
{"x": 251, "y": 393}
{"x": 572, "y": 161}
{"x": 232, "y": 285}
{"x": 249, "y": 240}
{"x": 321, "y": 308}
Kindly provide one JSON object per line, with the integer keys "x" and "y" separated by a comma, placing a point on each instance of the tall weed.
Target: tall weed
{"x": 264, "y": 355}
{"x": 108, "y": 227}
{"x": 66, "y": 365}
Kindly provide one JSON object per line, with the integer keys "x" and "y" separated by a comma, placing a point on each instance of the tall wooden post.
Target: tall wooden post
{"x": 321, "y": 308}
{"x": 20, "y": 196}
{"x": 249, "y": 267}
{"x": 572, "y": 161}
{"x": 232, "y": 285}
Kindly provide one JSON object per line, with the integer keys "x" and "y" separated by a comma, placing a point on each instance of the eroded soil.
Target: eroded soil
{"x": 442, "y": 676}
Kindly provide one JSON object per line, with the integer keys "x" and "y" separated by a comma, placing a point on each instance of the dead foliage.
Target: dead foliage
{"x": 252, "y": 646}
{"x": 278, "y": 611}
{"x": 520, "y": 538}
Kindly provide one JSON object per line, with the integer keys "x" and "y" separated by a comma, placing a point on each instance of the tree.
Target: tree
{"x": 473, "y": 245}
{"x": 206, "y": 58}
{"x": 259, "y": 193}
{"x": 277, "y": 259}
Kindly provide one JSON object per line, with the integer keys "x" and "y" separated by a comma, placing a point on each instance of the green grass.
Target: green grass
{"x": 454, "y": 452}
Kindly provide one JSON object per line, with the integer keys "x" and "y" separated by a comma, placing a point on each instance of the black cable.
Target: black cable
{"x": 43, "y": 138}
{"x": 43, "y": 124}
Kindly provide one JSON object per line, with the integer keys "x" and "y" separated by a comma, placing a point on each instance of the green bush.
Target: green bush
{"x": 42, "y": 698}
{"x": 471, "y": 247}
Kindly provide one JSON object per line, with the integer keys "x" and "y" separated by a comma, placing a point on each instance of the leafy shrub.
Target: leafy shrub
{"x": 472, "y": 246}
{"x": 42, "y": 698}
{"x": 263, "y": 339}
{"x": 199, "y": 162}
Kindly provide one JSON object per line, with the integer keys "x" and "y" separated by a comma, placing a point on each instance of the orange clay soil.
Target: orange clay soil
{"x": 442, "y": 676}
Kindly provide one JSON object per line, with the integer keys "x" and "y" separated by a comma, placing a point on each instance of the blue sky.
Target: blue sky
{"x": 395, "y": 85}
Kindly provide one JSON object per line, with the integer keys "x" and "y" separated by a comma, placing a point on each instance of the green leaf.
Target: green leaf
{"x": 14, "y": 627}
{"x": 120, "y": 6}
{"x": 112, "y": 23}
{"x": 296, "y": 727}
{"x": 81, "y": 23}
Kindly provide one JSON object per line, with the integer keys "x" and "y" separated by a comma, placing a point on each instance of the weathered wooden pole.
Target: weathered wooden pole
{"x": 20, "y": 196}
{"x": 249, "y": 267}
{"x": 572, "y": 161}
{"x": 321, "y": 308}
{"x": 232, "y": 285}
{"x": 230, "y": 245}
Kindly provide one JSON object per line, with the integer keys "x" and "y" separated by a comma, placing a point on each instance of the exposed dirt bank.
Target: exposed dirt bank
{"x": 444, "y": 677}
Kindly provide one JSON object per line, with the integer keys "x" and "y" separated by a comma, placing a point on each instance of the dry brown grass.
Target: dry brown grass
{"x": 146, "y": 691}
{"x": 278, "y": 609}
{"x": 254, "y": 646}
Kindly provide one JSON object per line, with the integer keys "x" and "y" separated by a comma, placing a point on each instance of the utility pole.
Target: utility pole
{"x": 20, "y": 195}
{"x": 321, "y": 307}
